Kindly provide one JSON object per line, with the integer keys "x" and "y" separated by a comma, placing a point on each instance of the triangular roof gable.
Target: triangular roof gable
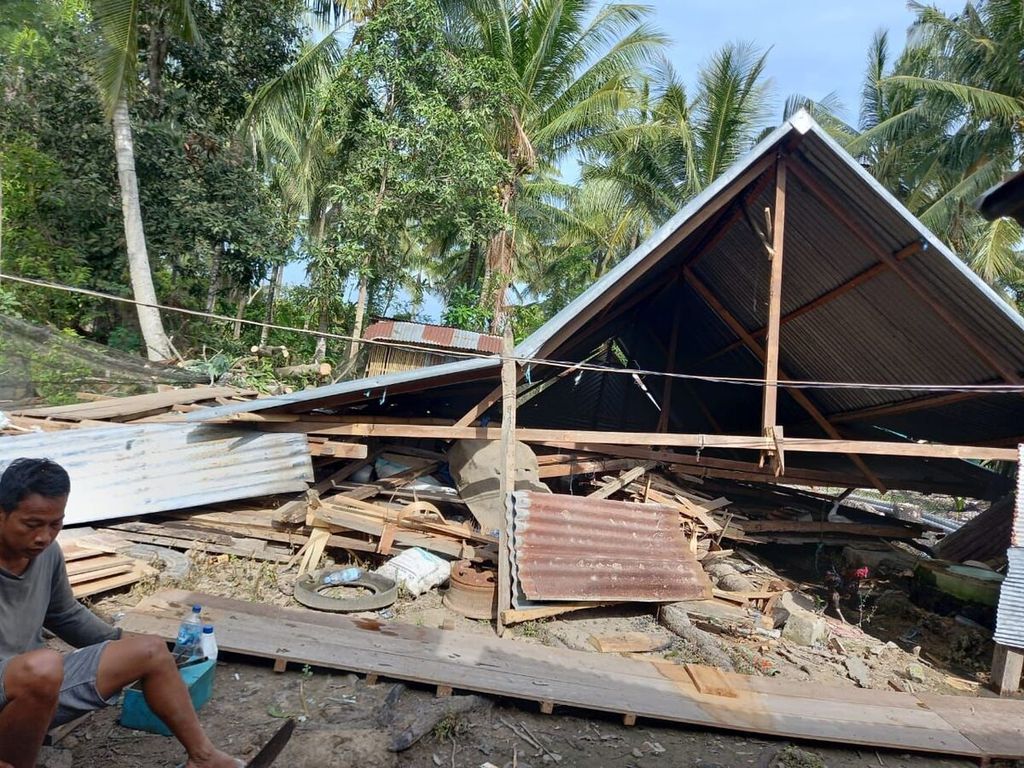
{"x": 714, "y": 198}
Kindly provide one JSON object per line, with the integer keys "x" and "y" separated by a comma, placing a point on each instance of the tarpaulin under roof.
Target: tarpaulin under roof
{"x": 868, "y": 295}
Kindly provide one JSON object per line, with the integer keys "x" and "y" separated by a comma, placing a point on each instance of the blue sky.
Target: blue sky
{"x": 817, "y": 46}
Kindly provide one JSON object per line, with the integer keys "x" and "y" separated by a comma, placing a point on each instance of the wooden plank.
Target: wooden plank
{"x": 670, "y": 367}
{"x": 517, "y": 616}
{"x": 580, "y": 466}
{"x": 613, "y": 486}
{"x": 710, "y": 680}
{"x": 338, "y": 450}
{"x": 627, "y": 642}
{"x": 508, "y": 480}
{"x": 769, "y": 408}
{"x": 689, "y": 510}
{"x": 600, "y": 682}
{"x": 100, "y": 563}
{"x": 587, "y": 440}
{"x": 981, "y": 721}
{"x": 109, "y": 584}
{"x": 101, "y": 573}
{"x": 894, "y": 530}
{"x": 801, "y": 399}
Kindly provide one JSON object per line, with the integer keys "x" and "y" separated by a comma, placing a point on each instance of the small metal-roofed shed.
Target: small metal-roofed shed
{"x": 1004, "y": 199}
{"x": 869, "y": 298}
{"x": 417, "y": 345}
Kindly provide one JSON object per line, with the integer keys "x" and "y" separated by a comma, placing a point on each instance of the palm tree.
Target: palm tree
{"x": 946, "y": 121}
{"x": 664, "y": 149}
{"x": 573, "y": 67}
{"x": 287, "y": 125}
{"x": 118, "y": 22}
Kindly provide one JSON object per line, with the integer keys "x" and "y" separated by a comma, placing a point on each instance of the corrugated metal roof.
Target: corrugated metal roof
{"x": 368, "y": 389}
{"x": 882, "y": 331}
{"x": 442, "y": 336}
{"x": 578, "y": 548}
{"x": 1010, "y": 614}
{"x": 138, "y": 470}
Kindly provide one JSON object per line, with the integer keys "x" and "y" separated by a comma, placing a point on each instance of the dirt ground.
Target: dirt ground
{"x": 345, "y": 722}
{"x": 350, "y": 725}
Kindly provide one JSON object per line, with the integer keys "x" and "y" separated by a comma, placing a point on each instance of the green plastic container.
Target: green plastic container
{"x": 136, "y": 714}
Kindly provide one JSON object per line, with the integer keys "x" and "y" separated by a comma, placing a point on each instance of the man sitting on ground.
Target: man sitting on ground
{"x": 40, "y": 688}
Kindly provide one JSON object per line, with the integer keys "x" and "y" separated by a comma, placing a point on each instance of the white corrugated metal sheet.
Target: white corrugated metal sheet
{"x": 138, "y": 470}
{"x": 1010, "y": 615}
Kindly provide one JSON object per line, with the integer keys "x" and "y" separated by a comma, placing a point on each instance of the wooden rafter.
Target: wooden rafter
{"x": 904, "y": 406}
{"x": 857, "y": 229}
{"x": 854, "y": 282}
{"x": 737, "y": 327}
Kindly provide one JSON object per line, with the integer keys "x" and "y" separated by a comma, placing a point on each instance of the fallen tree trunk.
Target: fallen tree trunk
{"x": 265, "y": 351}
{"x": 674, "y": 618}
{"x": 323, "y": 370}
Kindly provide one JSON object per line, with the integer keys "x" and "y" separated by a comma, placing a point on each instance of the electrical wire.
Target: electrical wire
{"x": 982, "y": 389}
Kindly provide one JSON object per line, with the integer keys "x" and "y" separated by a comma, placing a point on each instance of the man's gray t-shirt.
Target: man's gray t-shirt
{"x": 41, "y": 597}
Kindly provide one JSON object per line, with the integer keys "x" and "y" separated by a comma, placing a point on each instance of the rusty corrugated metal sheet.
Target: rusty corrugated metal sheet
{"x": 433, "y": 335}
{"x": 578, "y": 548}
{"x": 1010, "y": 614}
{"x": 141, "y": 469}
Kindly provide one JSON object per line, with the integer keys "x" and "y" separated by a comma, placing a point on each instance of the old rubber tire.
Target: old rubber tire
{"x": 385, "y": 592}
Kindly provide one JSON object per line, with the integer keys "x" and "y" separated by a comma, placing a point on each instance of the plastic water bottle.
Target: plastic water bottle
{"x": 208, "y": 643}
{"x": 190, "y": 632}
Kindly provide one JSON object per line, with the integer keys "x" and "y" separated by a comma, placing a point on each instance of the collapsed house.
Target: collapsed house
{"x": 793, "y": 325}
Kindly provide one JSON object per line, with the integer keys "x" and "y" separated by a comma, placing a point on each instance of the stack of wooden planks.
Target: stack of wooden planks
{"x": 92, "y": 571}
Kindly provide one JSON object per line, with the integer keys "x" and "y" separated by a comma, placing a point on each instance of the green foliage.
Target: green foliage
{"x": 213, "y": 227}
{"x": 411, "y": 123}
{"x": 463, "y": 310}
{"x": 57, "y": 376}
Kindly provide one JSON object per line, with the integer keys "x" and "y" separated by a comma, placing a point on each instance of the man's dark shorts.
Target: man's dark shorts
{"x": 78, "y": 693}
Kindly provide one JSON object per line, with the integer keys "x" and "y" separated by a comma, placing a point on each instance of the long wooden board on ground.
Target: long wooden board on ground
{"x": 602, "y": 682}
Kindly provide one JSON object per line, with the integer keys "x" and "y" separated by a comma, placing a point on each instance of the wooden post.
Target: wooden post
{"x": 666, "y": 392}
{"x": 1007, "y": 667}
{"x": 769, "y": 413}
{"x": 508, "y": 477}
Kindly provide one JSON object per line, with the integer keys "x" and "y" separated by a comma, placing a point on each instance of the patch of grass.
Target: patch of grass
{"x": 449, "y": 727}
{"x": 535, "y": 630}
{"x": 794, "y": 757}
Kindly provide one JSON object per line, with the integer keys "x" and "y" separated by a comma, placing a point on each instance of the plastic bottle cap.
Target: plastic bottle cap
{"x": 208, "y": 629}
{"x": 196, "y": 608}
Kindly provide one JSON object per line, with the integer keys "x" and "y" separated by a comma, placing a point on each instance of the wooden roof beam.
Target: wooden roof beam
{"x": 854, "y": 282}
{"x": 737, "y": 327}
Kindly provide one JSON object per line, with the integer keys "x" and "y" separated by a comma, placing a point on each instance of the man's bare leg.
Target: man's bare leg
{"x": 32, "y": 686}
{"x": 146, "y": 658}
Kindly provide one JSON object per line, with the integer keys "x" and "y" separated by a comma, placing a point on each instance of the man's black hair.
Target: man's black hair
{"x": 23, "y": 477}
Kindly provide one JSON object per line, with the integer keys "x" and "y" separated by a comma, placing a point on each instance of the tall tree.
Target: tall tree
{"x": 574, "y": 66}
{"x": 664, "y": 149}
{"x": 942, "y": 122}
{"x": 414, "y": 122}
{"x": 119, "y": 23}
